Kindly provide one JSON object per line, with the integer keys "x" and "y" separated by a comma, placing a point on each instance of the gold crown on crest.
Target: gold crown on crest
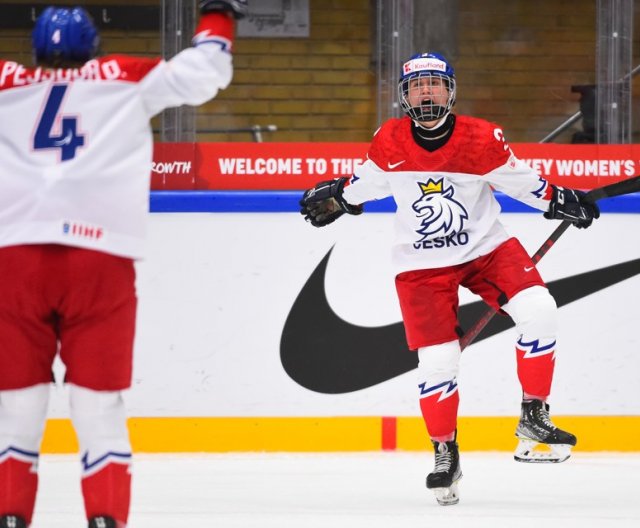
{"x": 431, "y": 187}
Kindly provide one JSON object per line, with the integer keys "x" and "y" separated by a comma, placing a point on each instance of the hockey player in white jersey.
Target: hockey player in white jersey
{"x": 76, "y": 151}
{"x": 440, "y": 168}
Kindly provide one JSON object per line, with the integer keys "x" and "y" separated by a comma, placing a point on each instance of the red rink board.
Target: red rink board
{"x": 296, "y": 166}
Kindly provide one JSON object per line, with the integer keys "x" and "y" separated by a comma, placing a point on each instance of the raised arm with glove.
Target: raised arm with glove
{"x": 238, "y": 8}
{"x": 322, "y": 204}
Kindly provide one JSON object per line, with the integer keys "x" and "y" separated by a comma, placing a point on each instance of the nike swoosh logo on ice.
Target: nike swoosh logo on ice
{"x": 326, "y": 354}
{"x": 394, "y": 165}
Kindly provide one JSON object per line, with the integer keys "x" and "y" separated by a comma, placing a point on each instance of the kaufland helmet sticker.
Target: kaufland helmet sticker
{"x": 424, "y": 64}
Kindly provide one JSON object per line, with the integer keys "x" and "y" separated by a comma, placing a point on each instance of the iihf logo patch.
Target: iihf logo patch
{"x": 79, "y": 229}
{"x": 445, "y": 389}
{"x": 439, "y": 213}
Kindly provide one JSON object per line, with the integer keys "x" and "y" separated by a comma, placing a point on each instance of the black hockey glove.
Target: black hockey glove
{"x": 569, "y": 204}
{"x": 324, "y": 203}
{"x": 238, "y": 8}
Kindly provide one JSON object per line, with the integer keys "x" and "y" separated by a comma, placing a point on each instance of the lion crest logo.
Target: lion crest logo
{"x": 440, "y": 214}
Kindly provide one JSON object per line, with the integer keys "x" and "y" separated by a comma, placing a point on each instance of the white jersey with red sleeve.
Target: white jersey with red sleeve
{"x": 76, "y": 144}
{"x": 447, "y": 213}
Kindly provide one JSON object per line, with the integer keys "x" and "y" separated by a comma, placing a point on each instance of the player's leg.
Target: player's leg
{"x": 438, "y": 370}
{"x": 429, "y": 301}
{"x": 438, "y": 367}
{"x": 99, "y": 418}
{"x": 534, "y": 312}
{"x": 22, "y": 418}
{"x": 96, "y": 347}
{"x": 508, "y": 281}
{"x": 28, "y": 345}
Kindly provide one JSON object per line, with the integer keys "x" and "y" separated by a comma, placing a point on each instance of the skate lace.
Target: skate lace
{"x": 543, "y": 416}
{"x": 443, "y": 460}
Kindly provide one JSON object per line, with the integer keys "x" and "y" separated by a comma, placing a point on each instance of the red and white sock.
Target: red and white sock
{"x": 438, "y": 367}
{"x": 536, "y": 361}
{"x": 439, "y": 407}
{"x": 18, "y": 482}
{"x": 106, "y": 486}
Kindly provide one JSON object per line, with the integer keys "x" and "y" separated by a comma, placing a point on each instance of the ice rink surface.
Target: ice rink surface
{"x": 368, "y": 490}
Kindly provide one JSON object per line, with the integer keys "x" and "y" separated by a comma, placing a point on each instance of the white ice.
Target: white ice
{"x": 359, "y": 490}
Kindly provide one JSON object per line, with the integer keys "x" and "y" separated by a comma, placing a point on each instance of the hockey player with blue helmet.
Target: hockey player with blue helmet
{"x": 427, "y": 69}
{"x": 441, "y": 169}
{"x": 76, "y": 148}
{"x": 62, "y": 35}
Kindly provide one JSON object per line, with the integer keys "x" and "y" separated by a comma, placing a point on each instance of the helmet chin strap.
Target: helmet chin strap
{"x": 438, "y": 124}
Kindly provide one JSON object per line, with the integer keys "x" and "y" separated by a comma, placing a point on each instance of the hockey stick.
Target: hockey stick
{"x": 628, "y": 186}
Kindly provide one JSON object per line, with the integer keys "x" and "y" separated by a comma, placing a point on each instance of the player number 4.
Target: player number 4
{"x": 68, "y": 140}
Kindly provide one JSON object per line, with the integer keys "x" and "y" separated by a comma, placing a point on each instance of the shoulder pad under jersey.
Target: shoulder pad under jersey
{"x": 390, "y": 140}
{"x": 481, "y": 145}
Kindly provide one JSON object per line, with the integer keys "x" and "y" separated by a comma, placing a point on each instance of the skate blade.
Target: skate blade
{"x": 533, "y": 452}
{"x": 447, "y": 496}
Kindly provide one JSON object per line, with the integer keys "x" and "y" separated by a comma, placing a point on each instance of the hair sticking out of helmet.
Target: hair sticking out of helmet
{"x": 63, "y": 35}
{"x": 427, "y": 87}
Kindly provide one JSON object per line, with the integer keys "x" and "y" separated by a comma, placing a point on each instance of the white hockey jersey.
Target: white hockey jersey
{"x": 447, "y": 213}
{"x": 76, "y": 144}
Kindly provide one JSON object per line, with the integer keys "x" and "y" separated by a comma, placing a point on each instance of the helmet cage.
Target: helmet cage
{"x": 427, "y": 110}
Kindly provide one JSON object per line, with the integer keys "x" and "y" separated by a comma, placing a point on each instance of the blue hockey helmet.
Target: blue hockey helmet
{"x": 428, "y": 66}
{"x": 64, "y": 34}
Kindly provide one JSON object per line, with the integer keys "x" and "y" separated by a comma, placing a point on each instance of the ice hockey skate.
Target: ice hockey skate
{"x": 446, "y": 474}
{"x": 102, "y": 522}
{"x": 535, "y": 428}
{"x": 12, "y": 521}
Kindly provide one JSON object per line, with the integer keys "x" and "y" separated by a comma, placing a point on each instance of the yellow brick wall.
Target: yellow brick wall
{"x": 516, "y": 63}
{"x": 519, "y": 59}
{"x": 320, "y": 88}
